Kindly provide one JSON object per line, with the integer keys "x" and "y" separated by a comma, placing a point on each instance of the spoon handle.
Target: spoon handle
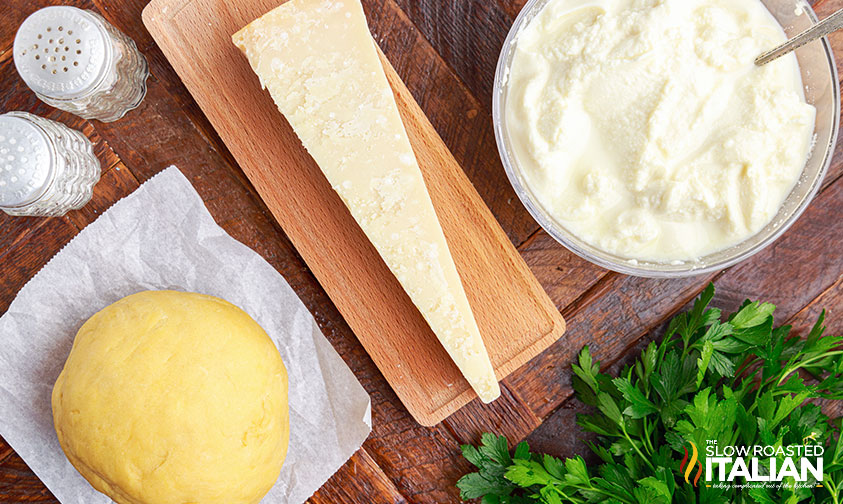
{"x": 830, "y": 24}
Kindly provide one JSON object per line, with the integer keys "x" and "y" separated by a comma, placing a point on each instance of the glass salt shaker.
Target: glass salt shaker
{"x": 76, "y": 61}
{"x": 46, "y": 168}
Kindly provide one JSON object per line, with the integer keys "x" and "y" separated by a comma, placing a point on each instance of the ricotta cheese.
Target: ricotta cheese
{"x": 645, "y": 128}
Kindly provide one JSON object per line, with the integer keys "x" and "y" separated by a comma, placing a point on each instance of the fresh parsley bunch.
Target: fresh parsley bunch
{"x": 741, "y": 382}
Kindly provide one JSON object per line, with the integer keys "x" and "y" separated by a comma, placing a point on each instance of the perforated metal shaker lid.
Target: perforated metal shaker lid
{"x": 26, "y": 161}
{"x": 62, "y": 52}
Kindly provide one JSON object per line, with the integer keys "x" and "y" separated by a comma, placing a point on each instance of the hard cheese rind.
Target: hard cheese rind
{"x": 319, "y": 63}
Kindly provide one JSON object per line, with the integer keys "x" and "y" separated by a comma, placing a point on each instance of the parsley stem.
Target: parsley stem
{"x": 832, "y": 488}
{"x": 592, "y": 488}
{"x": 804, "y": 363}
{"x": 646, "y": 438}
{"x": 645, "y": 459}
{"x": 751, "y": 367}
{"x": 569, "y": 498}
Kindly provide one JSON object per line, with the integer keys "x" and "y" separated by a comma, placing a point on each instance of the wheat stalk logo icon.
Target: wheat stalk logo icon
{"x": 687, "y": 467}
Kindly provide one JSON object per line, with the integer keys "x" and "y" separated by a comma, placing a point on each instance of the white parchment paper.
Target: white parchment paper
{"x": 162, "y": 237}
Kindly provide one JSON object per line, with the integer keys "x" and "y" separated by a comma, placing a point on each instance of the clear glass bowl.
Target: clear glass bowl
{"x": 819, "y": 76}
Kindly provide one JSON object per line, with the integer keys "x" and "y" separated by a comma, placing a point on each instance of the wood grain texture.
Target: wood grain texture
{"x": 18, "y": 483}
{"x": 511, "y": 7}
{"x": 451, "y": 107}
{"x": 22, "y": 260}
{"x": 428, "y": 42}
{"x": 565, "y": 276}
{"x": 459, "y": 118}
{"x": 116, "y": 183}
{"x": 811, "y": 252}
{"x": 468, "y": 35}
{"x": 510, "y": 416}
{"x": 625, "y": 309}
{"x": 359, "y": 476}
{"x": 16, "y": 96}
{"x": 808, "y": 252}
{"x": 514, "y": 315}
{"x": 162, "y": 132}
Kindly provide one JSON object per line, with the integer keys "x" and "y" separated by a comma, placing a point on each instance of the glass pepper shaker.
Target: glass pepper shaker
{"x": 46, "y": 168}
{"x": 76, "y": 61}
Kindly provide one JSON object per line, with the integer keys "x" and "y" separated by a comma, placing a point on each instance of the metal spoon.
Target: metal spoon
{"x": 830, "y": 24}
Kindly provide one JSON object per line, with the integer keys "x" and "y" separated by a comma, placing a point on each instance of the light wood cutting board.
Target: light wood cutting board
{"x": 515, "y": 316}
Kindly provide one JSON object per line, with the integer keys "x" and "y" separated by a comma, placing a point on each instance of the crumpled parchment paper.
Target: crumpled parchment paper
{"x": 162, "y": 237}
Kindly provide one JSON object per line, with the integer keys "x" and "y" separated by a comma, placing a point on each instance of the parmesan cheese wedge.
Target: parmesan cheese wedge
{"x": 319, "y": 62}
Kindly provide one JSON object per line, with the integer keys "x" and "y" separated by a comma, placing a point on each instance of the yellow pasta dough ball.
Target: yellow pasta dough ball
{"x": 172, "y": 398}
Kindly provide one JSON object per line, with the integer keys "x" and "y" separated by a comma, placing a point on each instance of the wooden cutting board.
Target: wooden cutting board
{"x": 515, "y": 316}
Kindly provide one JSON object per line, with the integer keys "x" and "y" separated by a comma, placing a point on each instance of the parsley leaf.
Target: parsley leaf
{"x": 739, "y": 381}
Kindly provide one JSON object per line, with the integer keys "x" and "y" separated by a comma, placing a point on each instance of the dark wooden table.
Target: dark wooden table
{"x": 446, "y": 51}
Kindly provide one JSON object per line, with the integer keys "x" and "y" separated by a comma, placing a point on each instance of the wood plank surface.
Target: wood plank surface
{"x": 444, "y": 50}
{"x": 515, "y": 316}
{"x": 458, "y": 116}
